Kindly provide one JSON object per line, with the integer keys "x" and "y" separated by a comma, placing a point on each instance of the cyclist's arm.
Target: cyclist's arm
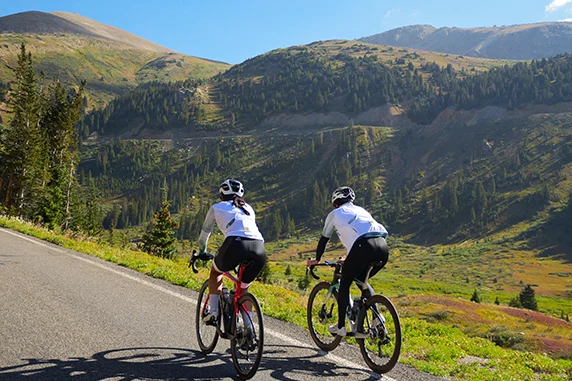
{"x": 206, "y": 231}
{"x": 326, "y": 235}
{"x": 321, "y": 247}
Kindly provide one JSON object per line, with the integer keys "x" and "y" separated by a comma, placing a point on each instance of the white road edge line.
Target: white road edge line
{"x": 278, "y": 335}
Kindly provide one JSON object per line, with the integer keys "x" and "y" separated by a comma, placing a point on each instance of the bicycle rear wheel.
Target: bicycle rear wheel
{"x": 207, "y": 334}
{"x": 248, "y": 342}
{"x": 382, "y": 347}
{"x": 322, "y": 311}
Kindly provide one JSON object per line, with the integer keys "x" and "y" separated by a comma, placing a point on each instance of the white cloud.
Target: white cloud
{"x": 393, "y": 11}
{"x": 566, "y": 20}
{"x": 555, "y": 4}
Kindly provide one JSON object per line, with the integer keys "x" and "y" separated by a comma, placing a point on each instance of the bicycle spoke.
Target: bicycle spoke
{"x": 207, "y": 334}
{"x": 321, "y": 313}
{"x": 247, "y": 345}
{"x": 382, "y": 346}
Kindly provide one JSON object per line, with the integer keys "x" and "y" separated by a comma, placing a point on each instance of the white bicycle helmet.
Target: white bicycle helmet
{"x": 230, "y": 187}
{"x": 343, "y": 195}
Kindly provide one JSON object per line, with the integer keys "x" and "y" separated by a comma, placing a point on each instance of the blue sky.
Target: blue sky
{"x": 235, "y": 30}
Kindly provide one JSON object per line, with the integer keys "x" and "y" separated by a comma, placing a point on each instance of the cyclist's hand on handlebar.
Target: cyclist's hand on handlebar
{"x": 311, "y": 262}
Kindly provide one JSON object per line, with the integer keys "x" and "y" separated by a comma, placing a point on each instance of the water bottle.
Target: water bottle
{"x": 354, "y": 310}
{"x": 229, "y": 303}
{"x": 225, "y": 294}
{"x": 225, "y": 307}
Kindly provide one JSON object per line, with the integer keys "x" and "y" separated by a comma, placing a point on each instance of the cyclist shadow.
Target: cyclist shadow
{"x": 157, "y": 363}
{"x": 285, "y": 366}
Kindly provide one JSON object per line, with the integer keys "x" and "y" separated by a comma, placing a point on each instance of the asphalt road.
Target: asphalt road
{"x": 68, "y": 316}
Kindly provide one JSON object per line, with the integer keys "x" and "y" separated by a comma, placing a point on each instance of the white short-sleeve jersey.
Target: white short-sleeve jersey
{"x": 231, "y": 220}
{"x": 351, "y": 222}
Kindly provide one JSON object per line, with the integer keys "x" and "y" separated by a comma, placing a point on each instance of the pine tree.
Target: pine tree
{"x": 527, "y": 298}
{"x": 497, "y": 302}
{"x": 515, "y": 302}
{"x": 481, "y": 201}
{"x": 90, "y": 223}
{"x": 265, "y": 274}
{"x": 304, "y": 282}
{"x": 475, "y": 298}
{"x": 23, "y": 171}
{"x": 288, "y": 271}
{"x": 424, "y": 203}
{"x": 277, "y": 224}
{"x": 160, "y": 240}
{"x": 61, "y": 113}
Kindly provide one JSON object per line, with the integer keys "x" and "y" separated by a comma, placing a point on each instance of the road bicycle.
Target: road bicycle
{"x": 239, "y": 320}
{"x": 375, "y": 320}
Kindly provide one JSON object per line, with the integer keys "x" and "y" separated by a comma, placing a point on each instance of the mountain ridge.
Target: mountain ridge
{"x": 518, "y": 42}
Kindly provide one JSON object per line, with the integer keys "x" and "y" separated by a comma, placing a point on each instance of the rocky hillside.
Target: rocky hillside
{"x": 74, "y": 48}
{"x": 516, "y": 42}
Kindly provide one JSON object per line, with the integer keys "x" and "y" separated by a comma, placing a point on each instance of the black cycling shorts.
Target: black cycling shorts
{"x": 236, "y": 250}
{"x": 363, "y": 252}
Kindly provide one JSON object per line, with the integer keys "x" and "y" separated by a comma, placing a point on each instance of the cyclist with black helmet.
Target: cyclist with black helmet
{"x": 243, "y": 241}
{"x": 364, "y": 239}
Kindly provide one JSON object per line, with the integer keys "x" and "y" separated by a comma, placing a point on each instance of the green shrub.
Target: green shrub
{"x": 503, "y": 337}
{"x": 304, "y": 282}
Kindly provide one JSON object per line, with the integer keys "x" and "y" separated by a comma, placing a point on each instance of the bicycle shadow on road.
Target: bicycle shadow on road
{"x": 157, "y": 363}
{"x": 283, "y": 366}
{"x": 279, "y": 362}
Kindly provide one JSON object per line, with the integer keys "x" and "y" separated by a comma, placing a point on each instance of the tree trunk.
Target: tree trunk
{"x": 68, "y": 197}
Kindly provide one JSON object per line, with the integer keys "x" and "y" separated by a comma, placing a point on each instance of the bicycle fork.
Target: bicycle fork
{"x": 324, "y": 313}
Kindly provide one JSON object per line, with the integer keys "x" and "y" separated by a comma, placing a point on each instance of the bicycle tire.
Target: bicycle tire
{"x": 203, "y": 331}
{"x": 321, "y": 316}
{"x": 379, "y": 350}
{"x": 245, "y": 342}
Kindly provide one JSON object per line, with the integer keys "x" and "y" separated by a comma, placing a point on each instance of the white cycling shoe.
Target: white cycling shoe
{"x": 211, "y": 317}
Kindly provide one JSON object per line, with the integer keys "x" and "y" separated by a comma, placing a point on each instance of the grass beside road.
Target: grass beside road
{"x": 432, "y": 347}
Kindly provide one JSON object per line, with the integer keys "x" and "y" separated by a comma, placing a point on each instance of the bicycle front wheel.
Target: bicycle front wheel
{"x": 207, "y": 334}
{"x": 248, "y": 342}
{"x": 382, "y": 346}
{"x": 322, "y": 311}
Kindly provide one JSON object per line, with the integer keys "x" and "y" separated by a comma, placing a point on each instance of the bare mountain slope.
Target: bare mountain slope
{"x": 42, "y": 23}
{"x": 521, "y": 42}
{"x": 110, "y": 32}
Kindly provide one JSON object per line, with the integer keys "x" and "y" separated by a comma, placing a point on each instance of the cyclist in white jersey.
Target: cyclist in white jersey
{"x": 364, "y": 239}
{"x": 243, "y": 241}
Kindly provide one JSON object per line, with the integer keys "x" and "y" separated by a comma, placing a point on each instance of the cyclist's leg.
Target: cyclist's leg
{"x": 221, "y": 262}
{"x": 353, "y": 265}
{"x": 254, "y": 252}
{"x": 373, "y": 249}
